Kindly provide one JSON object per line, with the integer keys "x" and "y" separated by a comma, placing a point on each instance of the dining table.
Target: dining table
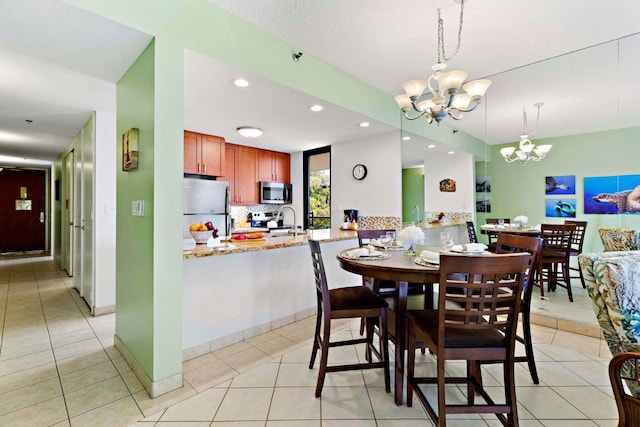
{"x": 494, "y": 230}
{"x": 402, "y": 270}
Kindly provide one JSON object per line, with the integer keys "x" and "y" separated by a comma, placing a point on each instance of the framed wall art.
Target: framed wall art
{"x": 130, "y": 149}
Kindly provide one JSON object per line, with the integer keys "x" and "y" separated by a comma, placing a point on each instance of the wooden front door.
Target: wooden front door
{"x": 22, "y": 210}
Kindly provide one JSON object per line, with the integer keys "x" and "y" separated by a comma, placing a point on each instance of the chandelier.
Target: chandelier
{"x": 527, "y": 150}
{"x": 446, "y": 97}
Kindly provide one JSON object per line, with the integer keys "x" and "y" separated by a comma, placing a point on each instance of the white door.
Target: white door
{"x": 68, "y": 214}
{"x": 86, "y": 213}
{"x": 77, "y": 218}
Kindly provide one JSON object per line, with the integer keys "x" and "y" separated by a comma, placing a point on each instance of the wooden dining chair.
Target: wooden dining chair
{"x": 344, "y": 303}
{"x": 553, "y": 262}
{"x": 576, "y": 248}
{"x": 513, "y": 243}
{"x": 493, "y": 238}
{"x": 471, "y": 231}
{"x": 626, "y": 367}
{"x": 475, "y": 325}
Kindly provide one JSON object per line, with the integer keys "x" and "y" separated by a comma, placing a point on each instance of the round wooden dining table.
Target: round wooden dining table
{"x": 402, "y": 270}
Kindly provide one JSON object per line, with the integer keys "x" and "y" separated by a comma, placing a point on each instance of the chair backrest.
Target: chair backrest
{"x": 481, "y": 294}
{"x": 626, "y": 366}
{"x": 471, "y": 230}
{"x": 578, "y": 235}
{"x": 514, "y": 243}
{"x": 557, "y": 239}
{"x": 322, "y": 287}
{"x": 619, "y": 239}
{"x": 364, "y": 236}
{"x": 495, "y": 220}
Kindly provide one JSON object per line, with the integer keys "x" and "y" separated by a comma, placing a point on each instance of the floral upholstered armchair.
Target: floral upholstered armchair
{"x": 619, "y": 239}
{"x": 613, "y": 284}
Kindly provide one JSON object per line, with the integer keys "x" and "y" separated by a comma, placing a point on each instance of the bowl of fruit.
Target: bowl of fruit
{"x": 201, "y": 232}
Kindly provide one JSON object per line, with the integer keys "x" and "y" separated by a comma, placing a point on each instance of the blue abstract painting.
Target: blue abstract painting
{"x": 564, "y": 208}
{"x": 612, "y": 194}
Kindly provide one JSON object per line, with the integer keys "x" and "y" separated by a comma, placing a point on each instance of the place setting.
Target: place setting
{"x": 367, "y": 253}
{"x": 387, "y": 242}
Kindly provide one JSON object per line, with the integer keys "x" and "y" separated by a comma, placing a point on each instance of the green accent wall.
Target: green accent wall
{"x": 520, "y": 190}
{"x": 412, "y": 192}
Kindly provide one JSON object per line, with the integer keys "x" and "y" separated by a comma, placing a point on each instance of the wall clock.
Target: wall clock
{"x": 359, "y": 172}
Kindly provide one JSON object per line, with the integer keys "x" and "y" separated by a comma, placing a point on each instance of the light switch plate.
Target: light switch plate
{"x": 137, "y": 208}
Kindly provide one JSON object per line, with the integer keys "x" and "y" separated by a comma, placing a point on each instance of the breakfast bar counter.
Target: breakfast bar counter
{"x": 268, "y": 242}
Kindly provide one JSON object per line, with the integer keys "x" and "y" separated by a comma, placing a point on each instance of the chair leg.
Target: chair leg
{"x": 567, "y": 278}
{"x": 410, "y": 368}
{"x": 510, "y": 393}
{"x": 442, "y": 403}
{"x": 384, "y": 348}
{"x": 324, "y": 356}
{"x": 584, "y": 285}
{"x": 528, "y": 345}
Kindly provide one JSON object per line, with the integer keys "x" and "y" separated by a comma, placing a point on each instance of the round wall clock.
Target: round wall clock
{"x": 359, "y": 172}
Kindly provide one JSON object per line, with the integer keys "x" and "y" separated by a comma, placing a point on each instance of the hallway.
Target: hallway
{"x": 58, "y": 367}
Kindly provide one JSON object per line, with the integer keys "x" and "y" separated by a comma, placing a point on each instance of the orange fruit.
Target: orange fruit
{"x": 194, "y": 227}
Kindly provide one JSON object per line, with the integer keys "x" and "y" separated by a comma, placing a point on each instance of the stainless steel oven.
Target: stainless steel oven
{"x": 275, "y": 193}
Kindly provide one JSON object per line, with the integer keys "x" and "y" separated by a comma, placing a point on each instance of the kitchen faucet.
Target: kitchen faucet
{"x": 295, "y": 224}
{"x": 416, "y": 212}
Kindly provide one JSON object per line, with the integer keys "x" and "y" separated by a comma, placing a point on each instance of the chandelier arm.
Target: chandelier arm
{"x": 406, "y": 115}
{"x": 453, "y": 116}
{"x": 477, "y": 102}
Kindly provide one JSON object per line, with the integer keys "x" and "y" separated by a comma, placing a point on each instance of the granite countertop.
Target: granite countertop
{"x": 325, "y": 235}
{"x": 426, "y": 224}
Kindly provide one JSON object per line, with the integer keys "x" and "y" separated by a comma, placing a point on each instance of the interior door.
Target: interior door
{"x": 22, "y": 210}
{"x": 77, "y": 218}
{"x": 86, "y": 213}
{"x": 68, "y": 214}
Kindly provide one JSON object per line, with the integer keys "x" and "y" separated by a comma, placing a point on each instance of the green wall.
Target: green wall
{"x": 412, "y": 192}
{"x": 520, "y": 190}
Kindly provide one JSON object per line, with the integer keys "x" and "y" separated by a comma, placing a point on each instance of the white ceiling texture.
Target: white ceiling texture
{"x": 581, "y": 58}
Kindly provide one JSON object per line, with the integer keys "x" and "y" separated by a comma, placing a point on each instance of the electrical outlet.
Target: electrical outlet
{"x": 137, "y": 208}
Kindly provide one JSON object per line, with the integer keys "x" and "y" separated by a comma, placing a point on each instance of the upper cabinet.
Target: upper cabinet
{"x": 203, "y": 154}
{"x": 240, "y": 170}
{"x": 274, "y": 166}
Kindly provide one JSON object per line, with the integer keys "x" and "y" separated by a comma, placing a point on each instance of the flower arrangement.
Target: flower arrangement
{"x": 411, "y": 236}
{"x": 521, "y": 219}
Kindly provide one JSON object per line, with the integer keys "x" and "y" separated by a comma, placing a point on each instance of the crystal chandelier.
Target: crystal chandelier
{"x": 444, "y": 87}
{"x": 527, "y": 150}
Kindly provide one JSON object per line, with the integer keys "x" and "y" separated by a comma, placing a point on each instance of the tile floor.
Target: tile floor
{"x": 58, "y": 367}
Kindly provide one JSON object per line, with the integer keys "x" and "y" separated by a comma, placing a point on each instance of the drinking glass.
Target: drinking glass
{"x": 391, "y": 235}
{"x": 500, "y": 222}
{"x": 448, "y": 243}
{"x": 385, "y": 240}
{"x": 444, "y": 236}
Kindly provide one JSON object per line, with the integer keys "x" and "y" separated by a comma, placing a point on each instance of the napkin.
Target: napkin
{"x": 357, "y": 253}
{"x": 430, "y": 256}
{"x": 469, "y": 247}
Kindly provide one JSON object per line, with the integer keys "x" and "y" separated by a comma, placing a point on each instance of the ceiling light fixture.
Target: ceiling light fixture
{"x": 431, "y": 146}
{"x": 527, "y": 150}
{"x": 249, "y": 132}
{"x": 406, "y": 138}
{"x": 241, "y": 82}
{"x": 364, "y": 124}
{"x": 447, "y": 98}
{"x": 316, "y": 107}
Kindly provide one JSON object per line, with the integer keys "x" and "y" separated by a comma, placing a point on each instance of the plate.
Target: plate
{"x": 423, "y": 262}
{"x": 373, "y": 256}
{"x": 377, "y": 244}
{"x": 467, "y": 252}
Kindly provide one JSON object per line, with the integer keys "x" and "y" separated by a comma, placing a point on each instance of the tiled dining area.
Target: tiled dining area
{"x": 58, "y": 367}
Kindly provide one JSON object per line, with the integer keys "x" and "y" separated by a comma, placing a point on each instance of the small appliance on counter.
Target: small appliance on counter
{"x": 265, "y": 219}
{"x": 350, "y": 215}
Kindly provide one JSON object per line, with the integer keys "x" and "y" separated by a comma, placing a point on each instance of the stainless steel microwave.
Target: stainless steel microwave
{"x": 275, "y": 193}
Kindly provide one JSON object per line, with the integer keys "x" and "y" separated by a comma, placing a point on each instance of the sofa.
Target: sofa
{"x": 619, "y": 239}
{"x": 613, "y": 284}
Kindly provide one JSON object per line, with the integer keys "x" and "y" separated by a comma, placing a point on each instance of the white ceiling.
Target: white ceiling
{"x": 58, "y": 63}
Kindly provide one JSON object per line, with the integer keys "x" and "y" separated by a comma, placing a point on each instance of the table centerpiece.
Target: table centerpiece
{"x": 411, "y": 236}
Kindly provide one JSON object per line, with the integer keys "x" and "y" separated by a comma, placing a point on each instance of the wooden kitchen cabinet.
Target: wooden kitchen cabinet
{"x": 274, "y": 166}
{"x": 203, "y": 154}
{"x": 240, "y": 170}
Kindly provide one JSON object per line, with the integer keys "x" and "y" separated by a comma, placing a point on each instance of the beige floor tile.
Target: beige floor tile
{"x": 88, "y": 376}
{"x": 384, "y": 407}
{"x": 151, "y": 406}
{"x": 401, "y": 423}
{"x": 306, "y": 407}
{"x": 244, "y": 404}
{"x": 201, "y": 407}
{"x": 77, "y": 349}
{"x": 209, "y": 375}
{"x": 131, "y": 381}
{"x": 47, "y": 413}
{"x": 594, "y": 373}
{"x": 590, "y": 402}
{"x": 246, "y": 359}
{"x": 29, "y": 395}
{"x": 298, "y": 375}
{"x": 290, "y": 423}
{"x": 277, "y": 346}
{"x": 231, "y": 349}
{"x": 262, "y": 376}
{"x": 95, "y": 395}
{"x": 120, "y": 413}
{"x": 72, "y": 337}
{"x": 183, "y": 424}
{"x": 26, "y": 362}
{"x": 545, "y": 404}
{"x": 80, "y": 362}
{"x": 239, "y": 424}
{"x": 27, "y": 377}
{"x": 199, "y": 361}
{"x": 343, "y": 403}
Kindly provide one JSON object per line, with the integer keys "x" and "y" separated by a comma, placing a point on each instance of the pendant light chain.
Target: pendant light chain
{"x": 441, "y": 53}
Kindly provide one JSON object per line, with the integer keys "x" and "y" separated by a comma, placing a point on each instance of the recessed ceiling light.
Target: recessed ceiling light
{"x": 406, "y": 138}
{"x": 364, "y": 125}
{"x": 249, "y": 132}
{"x": 316, "y": 108}
{"x": 451, "y": 152}
{"x": 431, "y": 146}
{"x": 241, "y": 82}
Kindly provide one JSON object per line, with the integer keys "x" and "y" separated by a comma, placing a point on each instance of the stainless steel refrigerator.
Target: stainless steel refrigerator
{"x": 206, "y": 200}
